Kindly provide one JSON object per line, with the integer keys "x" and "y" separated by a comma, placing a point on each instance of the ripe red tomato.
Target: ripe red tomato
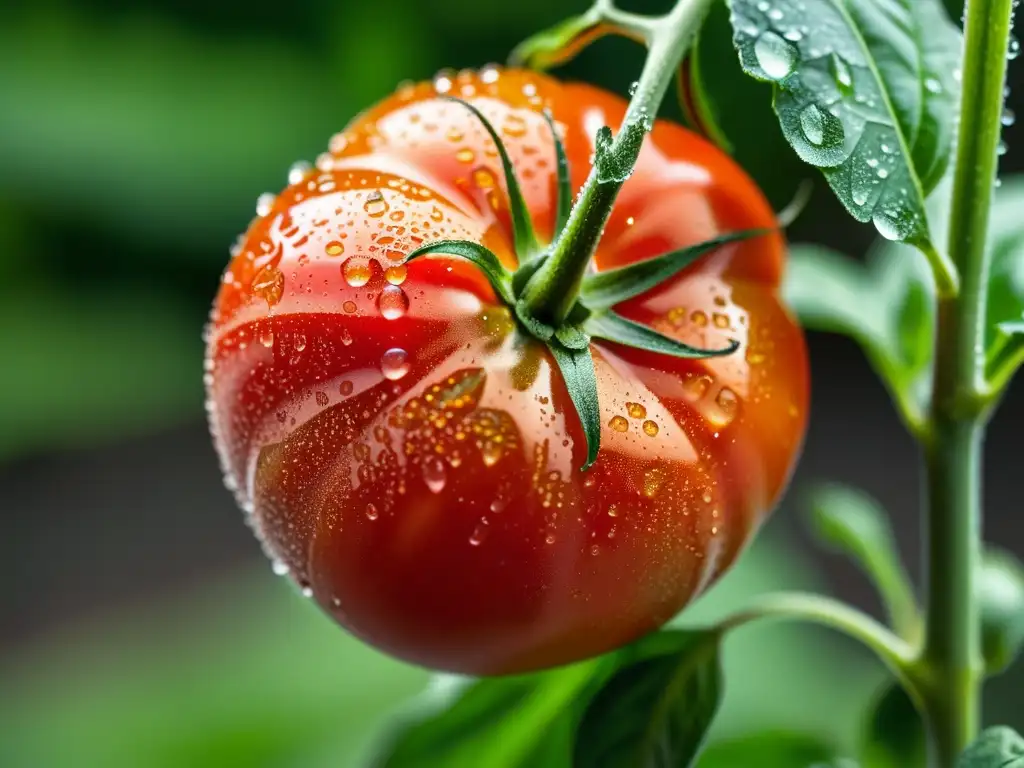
{"x": 413, "y": 460}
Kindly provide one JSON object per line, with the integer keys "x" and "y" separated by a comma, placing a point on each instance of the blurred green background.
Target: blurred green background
{"x": 141, "y": 625}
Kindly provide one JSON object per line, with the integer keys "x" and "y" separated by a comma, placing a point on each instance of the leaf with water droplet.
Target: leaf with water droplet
{"x": 1004, "y": 328}
{"x": 848, "y": 104}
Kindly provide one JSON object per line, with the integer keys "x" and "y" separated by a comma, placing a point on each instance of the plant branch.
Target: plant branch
{"x": 895, "y": 652}
{"x": 551, "y": 293}
{"x": 951, "y": 657}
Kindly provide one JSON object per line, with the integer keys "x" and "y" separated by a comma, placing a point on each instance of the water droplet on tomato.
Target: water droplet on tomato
{"x": 699, "y": 318}
{"x": 396, "y": 274}
{"x": 465, "y": 155}
{"x": 394, "y": 363}
{"x": 268, "y": 284}
{"x": 695, "y": 386}
{"x": 549, "y": 539}
{"x": 514, "y": 125}
{"x": 264, "y": 203}
{"x": 434, "y": 474}
{"x": 392, "y": 302}
{"x": 267, "y": 336}
{"x": 636, "y": 410}
{"x": 613, "y": 511}
{"x": 335, "y": 248}
{"x": 491, "y": 453}
{"x": 299, "y": 342}
{"x": 298, "y": 171}
{"x": 346, "y": 337}
{"x": 619, "y": 423}
{"x": 727, "y": 404}
{"x": 479, "y": 533}
{"x": 357, "y": 271}
{"x": 650, "y": 428}
{"x": 349, "y": 306}
{"x": 375, "y": 204}
{"x": 371, "y": 512}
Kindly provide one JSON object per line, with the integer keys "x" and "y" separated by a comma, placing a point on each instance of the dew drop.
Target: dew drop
{"x": 307, "y": 591}
{"x": 613, "y": 511}
{"x": 346, "y": 388}
{"x": 549, "y": 539}
{"x": 636, "y": 410}
{"x": 346, "y": 337}
{"x": 357, "y": 271}
{"x": 322, "y": 399}
{"x": 267, "y": 337}
{"x": 841, "y": 74}
{"x": 298, "y": 171}
{"x": 1008, "y": 117}
{"x": 394, "y": 363}
{"x": 375, "y": 204}
{"x": 699, "y": 318}
{"x": 491, "y": 453}
{"x": 479, "y": 534}
{"x": 650, "y": 428}
{"x": 434, "y": 474}
{"x": 299, "y": 342}
{"x": 279, "y": 568}
{"x": 776, "y": 56}
{"x": 633, "y": 86}
{"x": 1013, "y": 51}
{"x": 892, "y": 226}
{"x": 395, "y": 274}
{"x": 371, "y": 512}
{"x": 392, "y": 302}
{"x": 268, "y": 283}
{"x": 695, "y": 386}
{"x": 465, "y": 155}
{"x": 812, "y": 123}
{"x": 932, "y": 85}
{"x": 335, "y": 248}
{"x": 349, "y": 306}
{"x": 727, "y": 404}
{"x": 514, "y": 126}
{"x": 619, "y": 423}
{"x": 264, "y": 203}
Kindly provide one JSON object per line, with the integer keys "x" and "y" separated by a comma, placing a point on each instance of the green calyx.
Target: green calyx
{"x": 553, "y": 296}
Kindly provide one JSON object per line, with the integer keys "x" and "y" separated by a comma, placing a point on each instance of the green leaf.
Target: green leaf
{"x": 612, "y": 327}
{"x": 895, "y": 735}
{"x": 773, "y": 749}
{"x": 695, "y": 101}
{"x": 525, "y": 237}
{"x": 855, "y": 524}
{"x": 1004, "y": 333}
{"x": 499, "y": 278}
{"x": 864, "y": 90}
{"x": 606, "y": 289}
{"x": 997, "y": 747}
{"x": 564, "y": 203}
{"x": 887, "y": 306}
{"x": 502, "y": 722}
{"x": 577, "y": 367}
{"x": 1001, "y": 595}
{"x": 656, "y": 710}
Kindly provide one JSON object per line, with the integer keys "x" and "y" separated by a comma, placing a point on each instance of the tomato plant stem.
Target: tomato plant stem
{"x": 551, "y": 293}
{"x": 897, "y": 653}
{"x": 951, "y": 657}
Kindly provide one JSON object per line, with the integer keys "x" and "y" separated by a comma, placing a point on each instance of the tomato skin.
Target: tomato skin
{"x": 413, "y": 459}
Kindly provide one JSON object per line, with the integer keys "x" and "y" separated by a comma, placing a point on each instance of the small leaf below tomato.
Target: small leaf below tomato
{"x": 997, "y": 747}
{"x": 655, "y": 710}
{"x": 606, "y": 289}
{"x": 577, "y": 367}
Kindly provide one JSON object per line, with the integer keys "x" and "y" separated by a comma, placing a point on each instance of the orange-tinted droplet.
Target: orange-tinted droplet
{"x": 650, "y": 428}
{"x": 619, "y": 423}
{"x": 636, "y": 410}
{"x": 268, "y": 284}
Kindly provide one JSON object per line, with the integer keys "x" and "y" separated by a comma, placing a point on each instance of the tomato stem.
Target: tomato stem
{"x": 552, "y": 291}
{"x": 955, "y": 431}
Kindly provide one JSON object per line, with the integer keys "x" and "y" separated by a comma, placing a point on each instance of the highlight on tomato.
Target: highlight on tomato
{"x": 486, "y": 434}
